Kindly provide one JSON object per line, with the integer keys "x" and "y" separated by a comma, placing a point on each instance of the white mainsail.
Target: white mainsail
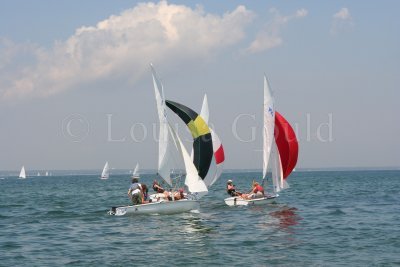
{"x": 105, "y": 173}
{"x": 22, "y": 174}
{"x": 166, "y": 150}
{"x": 193, "y": 181}
{"x": 205, "y": 113}
{"x": 269, "y": 125}
{"x": 215, "y": 170}
{"x": 135, "y": 172}
{"x": 270, "y": 149}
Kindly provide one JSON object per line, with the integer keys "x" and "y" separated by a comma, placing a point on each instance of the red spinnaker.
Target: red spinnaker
{"x": 286, "y": 142}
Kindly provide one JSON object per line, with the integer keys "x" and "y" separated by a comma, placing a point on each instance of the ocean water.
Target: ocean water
{"x": 341, "y": 218}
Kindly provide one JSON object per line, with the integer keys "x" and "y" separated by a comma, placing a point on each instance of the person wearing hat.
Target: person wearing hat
{"x": 231, "y": 190}
{"x": 135, "y": 192}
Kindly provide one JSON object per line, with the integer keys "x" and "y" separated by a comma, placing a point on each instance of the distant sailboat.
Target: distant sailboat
{"x": 47, "y": 173}
{"x": 22, "y": 174}
{"x": 135, "y": 173}
{"x": 38, "y": 174}
{"x": 105, "y": 174}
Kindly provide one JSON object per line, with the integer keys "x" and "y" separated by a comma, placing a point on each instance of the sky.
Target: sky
{"x": 76, "y": 87}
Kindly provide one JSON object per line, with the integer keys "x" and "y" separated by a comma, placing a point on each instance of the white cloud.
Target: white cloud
{"x": 342, "y": 14}
{"x": 121, "y": 45}
{"x": 270, "y": 37}
{"x": 341, "y": 21}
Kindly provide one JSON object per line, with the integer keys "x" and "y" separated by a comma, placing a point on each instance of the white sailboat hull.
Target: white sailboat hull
{"x": 164, "y": 207}
{"x": 238, "y": 201}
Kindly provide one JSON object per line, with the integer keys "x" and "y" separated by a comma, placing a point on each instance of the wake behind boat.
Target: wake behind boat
{"x": 280, "y": 151}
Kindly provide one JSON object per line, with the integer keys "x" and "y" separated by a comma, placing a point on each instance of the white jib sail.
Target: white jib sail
{"x": 269, "y": 125}
{"x": 135, "y": 172}
{"x": 276, "y": 169}
{"x": 193, "y": 181}
{"x": 105, "y": 173}
{"x": 22, "y": 174}
{"x": 277, "y": 172}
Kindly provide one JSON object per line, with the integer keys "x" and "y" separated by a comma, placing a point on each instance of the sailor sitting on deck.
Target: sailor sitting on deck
{"x": 135, "y": 192}
{"x": 179, "y": 195}
{"x": 161, "y": 194}
{"x": 157, "y": 187}
{"x": 145, "y": 191}
{"x": 256, "y": 192}
{"x": 231, "y": 190}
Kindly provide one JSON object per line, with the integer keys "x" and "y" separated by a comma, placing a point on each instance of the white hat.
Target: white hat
{"x": 229, "y": 181}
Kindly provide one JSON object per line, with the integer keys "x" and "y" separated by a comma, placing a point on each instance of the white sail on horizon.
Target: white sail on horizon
{"x": 135, "y": 172}
{"x": 105, "y": 173}
{"x": 22, "y": 173}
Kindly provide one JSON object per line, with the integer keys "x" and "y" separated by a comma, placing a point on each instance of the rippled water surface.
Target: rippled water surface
{"x": 349, "y": 218}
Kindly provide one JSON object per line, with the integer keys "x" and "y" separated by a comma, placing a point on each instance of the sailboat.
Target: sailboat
{"x": 22, "y": 174}
{"x": 173, "y": 158}
{"x": 135, "y": 173}
{"x": 105, "y": 173}
{"x": 280, "y": 151}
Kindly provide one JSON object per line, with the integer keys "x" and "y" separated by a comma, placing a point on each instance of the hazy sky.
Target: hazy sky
{"x": 76, "y": 87}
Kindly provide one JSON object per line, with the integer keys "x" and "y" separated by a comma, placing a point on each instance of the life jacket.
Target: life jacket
{"x": 258, "y": 188}
{"x": 230, "y": 189}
